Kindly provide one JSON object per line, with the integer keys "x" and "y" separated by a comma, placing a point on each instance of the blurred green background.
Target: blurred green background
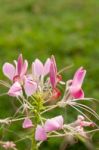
{"x": 69, "y": 29}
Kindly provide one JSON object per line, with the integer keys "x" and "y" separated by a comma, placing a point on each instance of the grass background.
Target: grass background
{"x": 69, "y": 29}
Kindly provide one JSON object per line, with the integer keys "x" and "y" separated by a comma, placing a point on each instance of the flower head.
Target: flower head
{"x": 15, "y": 73}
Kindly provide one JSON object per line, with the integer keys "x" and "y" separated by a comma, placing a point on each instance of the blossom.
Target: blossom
{"x": 38, "y": 69}
{"x": 8, "y": 145}
{"x": 15, "y": 73}
{"x": 40, "y": 134}
{"x": 27, "y": 123}
{"x": 53, "y": 124}
{"x": 76, "y": 84}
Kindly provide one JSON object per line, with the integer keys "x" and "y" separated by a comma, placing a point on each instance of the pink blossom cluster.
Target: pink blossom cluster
{"x": 41, "y": 79}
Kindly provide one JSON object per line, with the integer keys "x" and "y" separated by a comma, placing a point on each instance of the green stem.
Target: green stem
{"x": 33, "y": 144}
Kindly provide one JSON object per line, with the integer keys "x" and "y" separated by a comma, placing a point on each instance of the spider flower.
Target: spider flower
{"x": 15, "y": 73}
{"x": 75, "y": 88}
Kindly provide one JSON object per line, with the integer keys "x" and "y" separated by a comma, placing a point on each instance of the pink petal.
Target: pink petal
{"x": 20, "y": 64}
{"x": 76, "y": 94}
{"x": 15, "y": 90}
{"x": 40, "y": 134}
{"x": 30, "y": 87}
{"x": 54, "y": 124}
{"x": 47, "y": 67}
{"x": 27, "y": 123}
{"x": 54, "y": 63}
{"x": 38, "y": 67}
{"x": 52, "y": 75}
{"x": 9, "y": 70}
{"x": 24, "y": 68}
{"x": 79, "y": 77}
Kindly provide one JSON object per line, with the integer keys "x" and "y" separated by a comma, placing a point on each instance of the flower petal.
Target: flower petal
{"x": 27, "y": 123}
{"x": 53, "y": 124}
{"x": 79, "y": 77}
{"x": 76, "y": 94}
{"x": 30, "y": 87}
{"x": 40, "y": 134}
{"x": 9, "y": 70}
{"x": 20, "y": 64}
{"x": 15, "y": 90}
{"x": 52, "y": 75}
{"x": 38, "y": 67}
{"x": 47, "y": 67}
{"x": 24, "y": 68}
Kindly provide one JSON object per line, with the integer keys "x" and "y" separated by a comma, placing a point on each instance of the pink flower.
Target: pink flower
{"x": 40, "y": 134}
{"x": 30, "y": 86}
{"x": 53, "y": 124}
{"x": 27, "y": 123}
{"x": 15, "y": 73}
{"x": 9, "y": 145}
{"x": 38, "y": 69}
{"x": 76, "y": 84}
{"x": 15, "y": 90}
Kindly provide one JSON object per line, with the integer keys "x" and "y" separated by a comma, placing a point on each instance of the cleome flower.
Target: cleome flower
{"x": 37, "y": 89}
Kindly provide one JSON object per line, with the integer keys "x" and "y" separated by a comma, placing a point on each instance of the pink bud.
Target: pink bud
{"x": 53, "y": 124}
{"x": 27, "y": 123}
{"x": 40, "y": 134}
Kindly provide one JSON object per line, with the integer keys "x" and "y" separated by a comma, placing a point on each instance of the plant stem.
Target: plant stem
{"x": 34, "y": 144}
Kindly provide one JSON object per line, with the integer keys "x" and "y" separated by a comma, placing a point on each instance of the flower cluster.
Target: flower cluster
{"x": 38, "y": 92}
